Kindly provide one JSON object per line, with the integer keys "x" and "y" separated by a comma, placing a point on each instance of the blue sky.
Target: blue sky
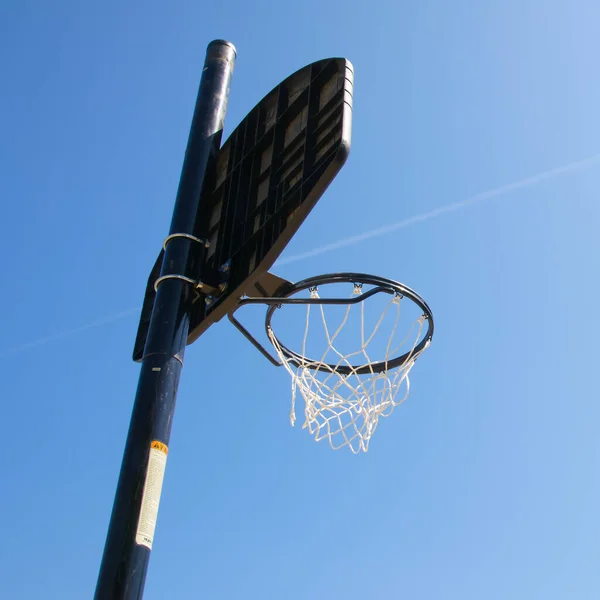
{"x": 484, "y": 484}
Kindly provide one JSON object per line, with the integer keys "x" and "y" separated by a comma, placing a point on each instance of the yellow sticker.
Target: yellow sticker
{"x": 155, "y": 474}
{"x": 160, "y": 446}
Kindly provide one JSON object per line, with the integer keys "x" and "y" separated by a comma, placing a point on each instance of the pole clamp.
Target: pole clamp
{"x": 170, "y": 238}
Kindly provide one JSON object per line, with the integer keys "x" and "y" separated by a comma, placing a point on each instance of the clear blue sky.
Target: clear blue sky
{"x": 485, "y": 483}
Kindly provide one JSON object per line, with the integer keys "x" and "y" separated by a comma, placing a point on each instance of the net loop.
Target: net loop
{"x": 345, "y": 407}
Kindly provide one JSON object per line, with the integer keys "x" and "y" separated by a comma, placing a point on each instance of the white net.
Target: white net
{"x": 345, "y": 407}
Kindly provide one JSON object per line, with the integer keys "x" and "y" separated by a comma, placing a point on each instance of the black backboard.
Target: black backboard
{"x": 268, "y": 176}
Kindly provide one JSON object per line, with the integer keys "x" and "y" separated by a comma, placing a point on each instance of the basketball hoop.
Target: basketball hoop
{"x": 352, "y": 365}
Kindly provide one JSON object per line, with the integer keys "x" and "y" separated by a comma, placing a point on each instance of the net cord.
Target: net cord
{"x": 346, "y": 409}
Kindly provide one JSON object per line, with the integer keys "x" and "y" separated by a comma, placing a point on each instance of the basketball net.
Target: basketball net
{"x": 345, "y": 408}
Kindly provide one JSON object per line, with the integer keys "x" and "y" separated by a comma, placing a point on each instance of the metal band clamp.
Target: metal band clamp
{"x": 170, "y": 238}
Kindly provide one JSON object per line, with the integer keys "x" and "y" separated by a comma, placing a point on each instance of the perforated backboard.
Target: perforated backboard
{"x": 268, "y": 176}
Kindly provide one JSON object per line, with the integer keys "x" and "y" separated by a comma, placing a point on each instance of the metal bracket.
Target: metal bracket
{"x": 195, "y": 283}
{"x": 187, "y": 236}
{"x": 267, "y": 286}
{"x": 282, "y": 300}
{"x": 165, "y": 277}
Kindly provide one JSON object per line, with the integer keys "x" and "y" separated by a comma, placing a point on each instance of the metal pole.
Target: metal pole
{"x": 131, "y": 530}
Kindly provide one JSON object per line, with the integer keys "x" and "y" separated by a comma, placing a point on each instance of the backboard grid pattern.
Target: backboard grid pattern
{"x": 266, "y": 179}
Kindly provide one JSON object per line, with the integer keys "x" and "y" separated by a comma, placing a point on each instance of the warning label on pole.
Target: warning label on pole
{"x": 152, "y": 490}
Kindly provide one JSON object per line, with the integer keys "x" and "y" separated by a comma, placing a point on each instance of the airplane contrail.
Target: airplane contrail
{"x": 436, "y": 212}
{"x": 68, "y": 332}
{"x": 345, "y": 242}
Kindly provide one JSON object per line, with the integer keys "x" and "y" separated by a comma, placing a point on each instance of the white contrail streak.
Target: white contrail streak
{"x": 436, "y": 212}
{"x": 68, "y": 332}
{"x": 349, "y": 241}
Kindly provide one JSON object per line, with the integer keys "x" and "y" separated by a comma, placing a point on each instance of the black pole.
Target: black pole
{"x": 131, "y": 530}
